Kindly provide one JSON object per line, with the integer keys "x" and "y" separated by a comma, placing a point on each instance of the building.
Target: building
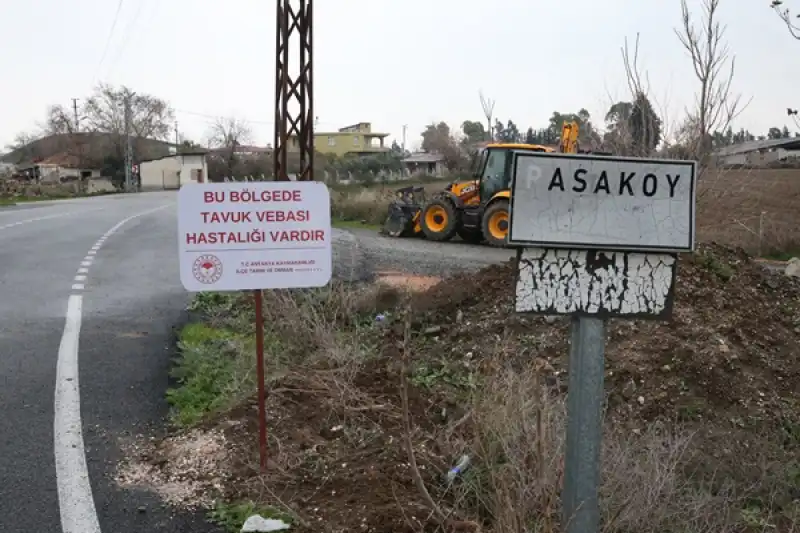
{"x": 242, "y": 150}
{"x": 425, "y": 163}
{"x": 759, "y": 153}
{"x": 172, "y": 171}
{"x": 356, "y": 139}
{"x": 57, "y": 168}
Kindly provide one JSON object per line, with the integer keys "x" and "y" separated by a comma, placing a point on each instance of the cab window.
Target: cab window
{"x": 478, "y": 162}
{"x": 494, "y": 179}
{"x": 496, "y": 165}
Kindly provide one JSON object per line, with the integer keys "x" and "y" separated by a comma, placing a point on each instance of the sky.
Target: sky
{"x": 388, "y": 62}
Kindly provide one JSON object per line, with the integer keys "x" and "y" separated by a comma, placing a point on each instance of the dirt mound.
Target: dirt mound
{"x": 727, "y": 364}
{"x": 335, "y": 455}
{"x": 730, "y": 350}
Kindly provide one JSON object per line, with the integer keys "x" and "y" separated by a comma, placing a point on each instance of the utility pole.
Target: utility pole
{"x": 128, "y": 143}
{"x": 76, "y": 141}
{"x": 405, "y": 127}
{"x": 177, "y": 141}
{"x": 75, "y": 111}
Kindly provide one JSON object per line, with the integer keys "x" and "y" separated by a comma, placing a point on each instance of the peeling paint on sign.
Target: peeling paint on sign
{"x": 605, "y": 283}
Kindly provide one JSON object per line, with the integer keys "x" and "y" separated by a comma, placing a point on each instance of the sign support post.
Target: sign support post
{"x": 260, "y": 376}
{"x": 598, "y": 237}
{"x": 584, "y": 425}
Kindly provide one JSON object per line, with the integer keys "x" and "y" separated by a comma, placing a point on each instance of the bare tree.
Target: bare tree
{"x": 714, "y": 68}
{"x": 24, "y": 146}
{"x": 786, "y": 17}
{"x": 225, "y": 135}
{"x": 488, "y": 111}
{"x": 151, "y": 117}
{"x": 59, "y": 121}
{"x": 633, "y": 125}
{"x": 21, "y": 140}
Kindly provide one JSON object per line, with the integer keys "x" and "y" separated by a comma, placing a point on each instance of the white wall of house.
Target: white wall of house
{"x": 57, "y": 173}
{"x": 194, "y": 169}
{"x": 172, "y": 172}
{"x": 736, "y": 159}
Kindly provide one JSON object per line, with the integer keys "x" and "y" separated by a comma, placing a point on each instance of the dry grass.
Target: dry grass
{"x": 369, "y": 204}
{"x": 518, "y": 445}
{"x": 17, "y": 190}
{"x": 337, "y": 438}
{"x": 757, "y": 210}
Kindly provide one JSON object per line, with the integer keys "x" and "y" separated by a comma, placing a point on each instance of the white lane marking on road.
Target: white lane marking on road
{"x": 75, "y": 500}
{"x": 78, "y": 513}
{"x": 48, "y": 217}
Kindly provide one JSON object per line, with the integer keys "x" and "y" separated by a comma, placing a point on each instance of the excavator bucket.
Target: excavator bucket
{"x": 403, "y": 217}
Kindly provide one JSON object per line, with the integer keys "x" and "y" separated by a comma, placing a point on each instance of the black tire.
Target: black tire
{"x": 470, "y": 235}
{"x": 439, "y": 220}
{"x": 489, "y": 225}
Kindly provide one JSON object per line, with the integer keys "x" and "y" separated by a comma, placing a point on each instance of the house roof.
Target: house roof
{"x": 424, "y": 157}
{"x": 244, "y": 149}
{"x": 197, "y": 151}
{"x": 61, "y": 159}
{"x": 754, "y": 146}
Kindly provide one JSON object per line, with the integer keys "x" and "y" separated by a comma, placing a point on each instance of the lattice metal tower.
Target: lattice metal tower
{"x": 294, "y": 97}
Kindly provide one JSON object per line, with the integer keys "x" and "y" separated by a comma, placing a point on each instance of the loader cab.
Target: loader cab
{"x": 492, "y": 167}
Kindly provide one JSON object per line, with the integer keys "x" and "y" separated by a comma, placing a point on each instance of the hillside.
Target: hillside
{"x": 94, "y": 146}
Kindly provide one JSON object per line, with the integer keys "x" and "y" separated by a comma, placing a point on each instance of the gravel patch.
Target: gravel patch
{"x": 375, "y": 253}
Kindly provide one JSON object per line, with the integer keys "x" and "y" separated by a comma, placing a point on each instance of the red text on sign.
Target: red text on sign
{"x": 247, "y": 196}
{"x": 238, "y": 217}
{"x": 214, "y": 217}
{"x": 284, "y": 216}
{"x": 255, "y": 236}
{"x": 295, "y": 235}
{"x": 226, "y": 237}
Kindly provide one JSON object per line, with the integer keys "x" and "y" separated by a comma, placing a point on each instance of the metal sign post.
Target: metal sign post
{"x": 598, "y": 238}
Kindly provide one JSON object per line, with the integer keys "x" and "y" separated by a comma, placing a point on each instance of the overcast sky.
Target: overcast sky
{"x": 389, "y": 62}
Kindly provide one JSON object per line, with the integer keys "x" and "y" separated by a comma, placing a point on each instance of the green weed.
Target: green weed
{"x": 432, "y": 374}
{"x": 709, "y": 262}
{"x": 205, "y": 372}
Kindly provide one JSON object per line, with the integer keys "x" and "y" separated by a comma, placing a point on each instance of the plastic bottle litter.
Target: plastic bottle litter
{"x": 258, "y": 523}
{"x": 380, "y": 318}
{"x": 462, "y": 465}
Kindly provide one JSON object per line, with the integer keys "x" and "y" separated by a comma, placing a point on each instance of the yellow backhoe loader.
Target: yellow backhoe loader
{"x": 475, "y": 210}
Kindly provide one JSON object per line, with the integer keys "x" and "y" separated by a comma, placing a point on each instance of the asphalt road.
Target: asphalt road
{"x": 125, "y": 298}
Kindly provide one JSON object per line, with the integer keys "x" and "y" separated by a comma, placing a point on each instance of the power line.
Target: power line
{"x": 125, "y": 36}
{"x": 108, "y": 39}
{"x": 250, "y": 121}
